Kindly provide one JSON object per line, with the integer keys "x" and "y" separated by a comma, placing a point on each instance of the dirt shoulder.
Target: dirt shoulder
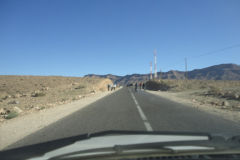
{"x": 19, "y": 127}
{"x": 191, "y": 99}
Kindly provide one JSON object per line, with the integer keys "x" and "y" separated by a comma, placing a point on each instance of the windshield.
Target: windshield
{"x": 74, "y": 67}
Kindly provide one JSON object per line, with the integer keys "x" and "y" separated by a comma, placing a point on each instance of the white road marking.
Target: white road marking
{"x": 142, "y": 115}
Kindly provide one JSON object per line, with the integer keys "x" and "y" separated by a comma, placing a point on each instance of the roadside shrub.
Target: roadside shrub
{"x": 215, "y": 91}
{"x": 231, "y": 95}
{"x": 38, "y": 94}
{"x": 74, "y": 98}
{"x": 203, "y": 85}
{"x": 42, "y": 107}
{"x": 155, "y": 86}
{"x": 11, "y": 115}
{"x": 80, "y": 87}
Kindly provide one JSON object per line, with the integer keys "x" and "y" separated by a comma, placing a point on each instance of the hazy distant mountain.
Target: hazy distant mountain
{"x": 216, "y": 72}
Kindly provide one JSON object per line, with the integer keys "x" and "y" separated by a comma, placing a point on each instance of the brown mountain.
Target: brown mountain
{"x": 216, "y": 72}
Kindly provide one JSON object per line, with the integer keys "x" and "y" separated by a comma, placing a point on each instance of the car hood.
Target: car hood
{"x": 115, "y": 140}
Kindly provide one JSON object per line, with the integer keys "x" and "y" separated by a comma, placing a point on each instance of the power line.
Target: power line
{"x": 210, "y": 53}
{"x": 204, "y": 54}
{"x": 218, "y": 50}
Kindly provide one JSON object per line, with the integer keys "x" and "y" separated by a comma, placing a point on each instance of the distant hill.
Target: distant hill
{"x": 114, "y": 78}
{"x": 216, "y": 72}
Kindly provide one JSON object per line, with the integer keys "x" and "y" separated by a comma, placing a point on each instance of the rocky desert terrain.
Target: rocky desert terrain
{"x": 21, "y": 95}
{"x": 221, "y": 96}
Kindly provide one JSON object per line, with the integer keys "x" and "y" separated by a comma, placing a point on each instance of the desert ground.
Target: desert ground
{"x": 22, "y": 95}
{"x": 215, "y": 96}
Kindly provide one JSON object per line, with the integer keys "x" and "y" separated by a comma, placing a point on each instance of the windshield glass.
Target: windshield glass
{"x": 74, "y": 67}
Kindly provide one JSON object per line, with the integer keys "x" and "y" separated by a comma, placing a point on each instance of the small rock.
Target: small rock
{"x": 17, "y": 109}
{"x": 5, "y": 116}
{"x": 193, "y": 100}
{"x": 218, "y": 103}
{"x": 93, "y": 92}
{"x": 4, "y": 111}
{"x": 28, "y": 107}
{"x": 236, "y": 96}
{"x": 13, "y": 102}
{"x": 16, "y": 95}
{"x": 37, "y": 108}
{"x": 37, "y": 94}
{"x": 23, "y": 95}
{"x": 222, "y": 94}
{"x": 223, "y": 107}
{"x": 225, "y": 103}
{"x": 50, "y": 104}
{"x": 45, "y": 89}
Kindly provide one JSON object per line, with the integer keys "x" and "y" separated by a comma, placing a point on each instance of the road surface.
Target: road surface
{"x": 126, "y": 109}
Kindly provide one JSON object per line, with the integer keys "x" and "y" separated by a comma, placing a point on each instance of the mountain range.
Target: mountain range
{"x": 216, "y": 72}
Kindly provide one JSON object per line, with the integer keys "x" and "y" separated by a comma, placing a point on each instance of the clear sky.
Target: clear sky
{"x": 78, "y": 37}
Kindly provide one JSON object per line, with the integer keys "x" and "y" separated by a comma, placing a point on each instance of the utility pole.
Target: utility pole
{"x": 155, "y": 64}
{"x": 186, "y": 74}
{"x": 150, "y": 70}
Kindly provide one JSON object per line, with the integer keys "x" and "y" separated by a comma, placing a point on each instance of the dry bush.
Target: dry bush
{"x": 11, "y": 115}
{"x": 80, "y": 87}
{"x": 157, "y": 85}
{"x": 215, "y": 91}
{"x": 38, "y": 94}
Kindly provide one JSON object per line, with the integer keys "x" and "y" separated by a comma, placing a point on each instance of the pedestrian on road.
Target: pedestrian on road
{"x": 108, "y": 87}
{"x": 143, "y": 86}
{"x": 140, "y": 85}
{"x": 136, "y": 85}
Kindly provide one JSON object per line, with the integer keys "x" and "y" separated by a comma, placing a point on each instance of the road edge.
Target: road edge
{"x": 226, "y": 114}
{"x": 21, "y": 127}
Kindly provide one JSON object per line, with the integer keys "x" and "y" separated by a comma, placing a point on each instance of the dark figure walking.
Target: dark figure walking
{"x": 143, "y": 86}
{"x": 136, "y": 87}
{"x": 140, "y": 85}
{"x": 108, "y": 87}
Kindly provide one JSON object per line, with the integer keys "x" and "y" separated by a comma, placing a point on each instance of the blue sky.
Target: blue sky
{"x": 78, "y": 37}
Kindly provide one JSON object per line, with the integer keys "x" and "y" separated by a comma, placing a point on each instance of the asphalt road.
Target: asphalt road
{"x": 135, "y": 111}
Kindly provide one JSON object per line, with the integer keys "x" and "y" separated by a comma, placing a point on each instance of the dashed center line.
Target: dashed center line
{"x": 142, "y": 115}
